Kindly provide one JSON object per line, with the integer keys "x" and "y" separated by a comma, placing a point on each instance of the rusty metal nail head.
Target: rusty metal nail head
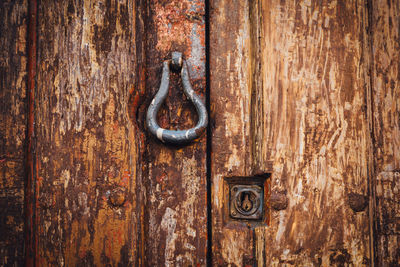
{"x": 117, "y": 197}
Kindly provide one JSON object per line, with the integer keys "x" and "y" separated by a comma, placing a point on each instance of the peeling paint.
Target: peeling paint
{"x": 168, "y": 224}
{"x": 292, "y": 103}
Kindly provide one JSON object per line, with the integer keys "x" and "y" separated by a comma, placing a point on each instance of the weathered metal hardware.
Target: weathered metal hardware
{"x": 180, "y": 136}
{"x": 117, "y": 197}
{"x": 246, "y": 202}
{"x": 279, "y": 201}
{"x": 357, "y": 202}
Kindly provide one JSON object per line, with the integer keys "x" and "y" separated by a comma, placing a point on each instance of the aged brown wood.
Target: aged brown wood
{"x": 87, "y": 147}
{"x": 230, "y": 109}
{"x": 175, "y": 213}
{"x": 385, "y": 40}
{"x": 13, "y": 96}
{"x": 387, "y": 212}
{"x": 31, "y": 196}
{"x": 307, "y": 91}
{"x": 289, "y": 90}
{"x": 108, "y": 192}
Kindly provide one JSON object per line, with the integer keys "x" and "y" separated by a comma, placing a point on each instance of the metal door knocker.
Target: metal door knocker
{"x": 178, "y": 137}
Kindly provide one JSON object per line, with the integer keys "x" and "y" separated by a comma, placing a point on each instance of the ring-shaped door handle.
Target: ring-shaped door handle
{"x": 178, "y": 137}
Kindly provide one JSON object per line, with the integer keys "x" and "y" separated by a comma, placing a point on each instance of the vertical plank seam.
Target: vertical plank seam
{"x": 140, "y": 50}
{"x": 208, "y": 138}
{"x": 30, "y": 188}
{"x": 256, "y": 84}
{"x": 371, "y": 165}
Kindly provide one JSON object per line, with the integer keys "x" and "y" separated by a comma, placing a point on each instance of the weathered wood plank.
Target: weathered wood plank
{"x": 108, "y": 192}
{"x": 319, "y": 143}
{"x": 388, "y": 219}
{"x": 386, "y": 83}
{"x": 13, "y": 107}
{"x": 175, "y": 213}
{"x": 86, "y": 152}
{"x": 288, "y": 97}
{"x": 230, "y": 109}
{"x": 385, "y": 119}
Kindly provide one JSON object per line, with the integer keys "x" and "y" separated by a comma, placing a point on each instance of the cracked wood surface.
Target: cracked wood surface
{"x": 87, "y": 148}
{"x": 385, "y": 39}
{"x": 108, "y": 192}
{"x": 13, "y": 115}
{"x": 305, "y": 91}
{"x": 175, "y": 208}
{"x": 289, "y": 83}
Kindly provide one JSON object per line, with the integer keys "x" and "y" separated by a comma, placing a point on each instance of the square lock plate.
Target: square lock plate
{"x": 246, "y": 201}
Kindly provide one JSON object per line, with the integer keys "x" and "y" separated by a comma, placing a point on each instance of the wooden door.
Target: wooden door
{"x": 101, "y": 190}
{"x": 307, "y": 92}
{"x": 304, "y": 104}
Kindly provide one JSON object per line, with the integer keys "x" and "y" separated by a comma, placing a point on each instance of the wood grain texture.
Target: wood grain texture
{"x": 175, "y": 212}
{"x": 307, "y": 91}
{"x": 108, "y": 192}
{"x": 386, "y": 83}
{"x": 86, "y": 149}
{"x": 385, "y": 36}
{"x": 288, "y": 97}
{"x": 230, "y": 109}
{"x": 388, "y": 219}
{"x": 13, "y": 107}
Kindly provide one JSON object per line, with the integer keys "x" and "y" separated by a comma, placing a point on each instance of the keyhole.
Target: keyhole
{"x": 246, "y": 203}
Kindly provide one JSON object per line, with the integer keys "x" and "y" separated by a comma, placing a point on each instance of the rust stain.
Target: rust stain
{"x": 288, "y": 97}
{"x": 87, "y": 146}
{"x": 357, "y": 202}
{"x": 384, "y": 115}
{"x": 279, "y": 201}
{"x": 388, "y": 219}
{"x": 291, "y": 96}
{"x": 117, "y": 197}
{"x": 175, "y": 177}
